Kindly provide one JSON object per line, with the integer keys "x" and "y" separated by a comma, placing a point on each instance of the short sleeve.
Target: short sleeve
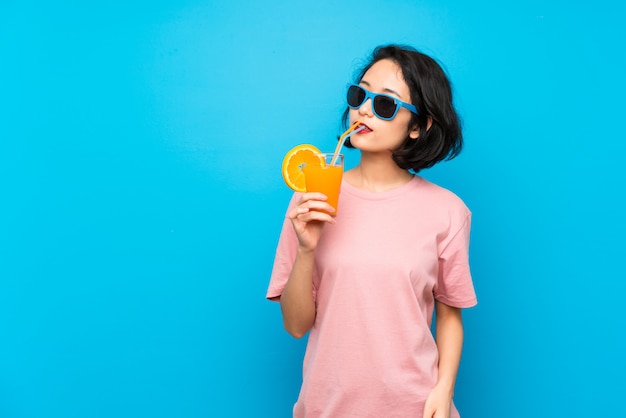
{"x": 454, "y": 282}
{"x": 284, "y": 258}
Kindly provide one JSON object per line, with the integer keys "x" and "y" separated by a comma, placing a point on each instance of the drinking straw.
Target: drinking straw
{"x": 351, "y": 130}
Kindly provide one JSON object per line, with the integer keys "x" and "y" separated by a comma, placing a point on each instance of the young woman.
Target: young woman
{"x": 367, "y": 282}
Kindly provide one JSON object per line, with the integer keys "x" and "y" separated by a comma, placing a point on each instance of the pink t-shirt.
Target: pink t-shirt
{"x": 377, "y": 273}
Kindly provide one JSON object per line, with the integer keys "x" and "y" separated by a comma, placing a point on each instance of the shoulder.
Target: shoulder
{"x": 440, "y": 197}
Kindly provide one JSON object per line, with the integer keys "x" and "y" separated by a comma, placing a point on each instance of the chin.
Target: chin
{"x": 359, "y": 143}
{"x": 365, "y": 145}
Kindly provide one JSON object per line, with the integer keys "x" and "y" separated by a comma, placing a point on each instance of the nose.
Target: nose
{"x": 366, "y": 108}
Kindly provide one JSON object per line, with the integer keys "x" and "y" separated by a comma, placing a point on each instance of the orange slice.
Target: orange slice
{"x": 295, "y": 159}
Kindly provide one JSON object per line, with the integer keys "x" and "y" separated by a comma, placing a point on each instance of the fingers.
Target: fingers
{"x": 311, "y": 207}
{"x": 313, "y": 198}
{"x": 314, "y": 215}
{"x": 308, "y": 218}
{"x": 310, "y": 213}
{"x": 429, "y": 412}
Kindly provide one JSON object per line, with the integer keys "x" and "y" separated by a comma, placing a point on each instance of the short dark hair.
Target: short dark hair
{"x": 431, "y": 93}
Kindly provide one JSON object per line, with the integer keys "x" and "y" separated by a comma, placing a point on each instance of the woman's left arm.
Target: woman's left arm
{"x": 449, "y": 336}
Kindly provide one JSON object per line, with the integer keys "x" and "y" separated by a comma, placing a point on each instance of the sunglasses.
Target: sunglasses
{"x": 385, "y": 107}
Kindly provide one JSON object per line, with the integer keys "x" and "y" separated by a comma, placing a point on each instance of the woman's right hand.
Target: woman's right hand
{"x": 308, "y": 219}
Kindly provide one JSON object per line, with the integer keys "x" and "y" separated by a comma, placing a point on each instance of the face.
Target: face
{"x": 384, "y": 77}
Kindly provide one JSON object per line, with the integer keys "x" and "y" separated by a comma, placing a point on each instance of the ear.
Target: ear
{"x": 414, "y": 133}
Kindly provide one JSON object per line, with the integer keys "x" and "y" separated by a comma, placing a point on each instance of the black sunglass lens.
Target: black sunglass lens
{"x": 384, "y": 106}
{"x": 356, "y": 96}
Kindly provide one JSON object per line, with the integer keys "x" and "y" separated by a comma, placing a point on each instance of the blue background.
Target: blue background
{"x": 141, "y": 197}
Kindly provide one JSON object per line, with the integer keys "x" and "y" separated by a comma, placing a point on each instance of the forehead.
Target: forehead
{"x": 386, "y": 75}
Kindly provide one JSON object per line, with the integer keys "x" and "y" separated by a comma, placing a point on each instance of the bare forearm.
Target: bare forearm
{"x": 449, "y": 335}
{"x": 296, "y": 301}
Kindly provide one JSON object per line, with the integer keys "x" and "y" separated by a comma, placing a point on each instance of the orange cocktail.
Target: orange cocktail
{"x": 306, "y": 169}
{"x": 326, "y": 178}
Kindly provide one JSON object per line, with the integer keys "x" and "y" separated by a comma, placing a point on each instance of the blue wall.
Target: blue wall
{"x": 141, "y": 197}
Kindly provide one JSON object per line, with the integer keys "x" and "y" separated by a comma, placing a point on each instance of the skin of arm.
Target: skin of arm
{"x": 296, "y": 302}
{"x": 449, "y": 336}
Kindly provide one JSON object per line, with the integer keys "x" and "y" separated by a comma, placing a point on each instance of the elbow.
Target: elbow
{"x": 297, "y": 331}
{"x": 297, "y": 334}
{"x": 297, "y": 322}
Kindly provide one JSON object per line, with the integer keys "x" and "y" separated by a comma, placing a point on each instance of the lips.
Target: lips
{"x": 363, "y": 128}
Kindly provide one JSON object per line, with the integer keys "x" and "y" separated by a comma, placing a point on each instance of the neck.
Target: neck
{"x": 377, "y": 173}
